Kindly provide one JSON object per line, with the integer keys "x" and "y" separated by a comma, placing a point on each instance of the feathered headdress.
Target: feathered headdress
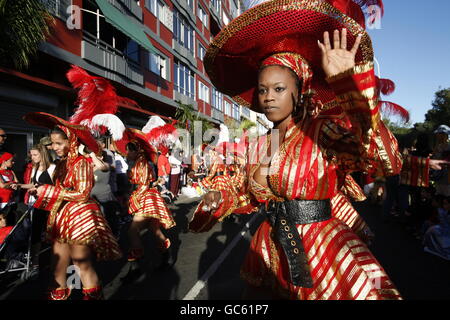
{"x": 386, "y": 87}
{"x": 160, "y": 134}
{"x": 97, "y": 103}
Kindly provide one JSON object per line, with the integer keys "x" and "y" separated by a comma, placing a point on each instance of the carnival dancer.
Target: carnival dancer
{"x": 145, "y": 204}
{"x": 322, "y": 99}
{"x": 76, "y": 227}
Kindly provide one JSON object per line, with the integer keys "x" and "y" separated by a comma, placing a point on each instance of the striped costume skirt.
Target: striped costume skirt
{"x": 341, "y": 265}
{"x": 83, "y": 224}
{"x": 151, "y": 205}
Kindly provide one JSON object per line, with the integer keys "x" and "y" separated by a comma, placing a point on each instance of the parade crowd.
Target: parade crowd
{"x": 423, "y": 211}
{"x": 111, "y": 190}
{"x": 308, "y": 66}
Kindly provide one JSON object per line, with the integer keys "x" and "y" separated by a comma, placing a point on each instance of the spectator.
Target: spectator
{"x": 164, "y": 169}
{"x": 103, "y": 193}
{"x": 437, "y": 238}
{"x": 109, "y": 158}
{"x": 41, "y": 173}
{"x": 175, "y": 172}
{"x": 441, "y": 151}
{"x": 122, "y": 182}
{"x": 4, "y": 228}
{"x": 3, "y": 137}
{"x": 47, "y": 142}
{"x": 8, "y": 179}
{"x": 196, "y": 161}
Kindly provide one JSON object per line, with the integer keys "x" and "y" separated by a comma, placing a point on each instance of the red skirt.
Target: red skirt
{"x": 341, "y": 265}
{"x": 83, "y": 224}
{"x": 151, "y": 205}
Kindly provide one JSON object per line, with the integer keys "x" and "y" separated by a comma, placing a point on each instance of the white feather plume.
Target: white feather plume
{"x": 110, "y": 121}
{"x": 152, "y": 123}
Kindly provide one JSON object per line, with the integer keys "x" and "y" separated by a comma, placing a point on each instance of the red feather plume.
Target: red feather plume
{"x": 162, "y": 137}
{"x": 96, "y": 95}
{"x": 385, "y": 86}
{"x": 394, "y": 109}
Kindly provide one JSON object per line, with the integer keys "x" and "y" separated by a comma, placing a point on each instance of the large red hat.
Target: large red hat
{"x": 234, "y": 57}
{"x": 48, "y": 120}
{"x": 136, "y": 136}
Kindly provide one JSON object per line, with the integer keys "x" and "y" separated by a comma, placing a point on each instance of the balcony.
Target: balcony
{"x": 245, "y": 112}
{"x": 116, "y": 66}
{"x": 217, "y": 114}
{"x": 184, "y": 52}
{"x": 185, "y": 6}
{"x": 184, "y": 99}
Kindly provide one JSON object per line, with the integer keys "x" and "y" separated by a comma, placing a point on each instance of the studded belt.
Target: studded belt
{"x": 284, "y": 216}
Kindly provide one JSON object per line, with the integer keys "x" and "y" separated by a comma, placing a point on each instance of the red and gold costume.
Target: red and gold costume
{"x": 145, "y": 201}
{"x": 339, "y": 133}
{"x": 75, "y": 218}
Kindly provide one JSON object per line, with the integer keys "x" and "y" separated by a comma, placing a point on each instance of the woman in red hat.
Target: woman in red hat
{"x": 8, "y": 179}
{"x": 145, "y": 203}
{"x": 76, "y": 227}
{"x": 323, "y": 102}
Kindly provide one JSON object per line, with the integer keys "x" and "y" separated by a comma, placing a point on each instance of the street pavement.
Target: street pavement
{"x": 208, "y": 264}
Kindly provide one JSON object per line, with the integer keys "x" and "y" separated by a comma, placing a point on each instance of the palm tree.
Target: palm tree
{"x": 24, "y": 24}
{"x": 246, "y": 124}
{"x": 186, "y": 115}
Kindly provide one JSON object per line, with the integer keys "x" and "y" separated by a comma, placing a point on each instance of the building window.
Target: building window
{"x": 161, "y": 11}
{"x": 217, "y": 99}
{"x": 132, "y": 51}
{"x": 184, "y": 79}
{"x": 246, "y": 112}
{"x": 217, "y": 4}
{"x": 157, "y": 64}
{"x": 202, "y": 15}
{"x": 201, "y": 51}
{"x": 58, "y": 8}
{"x": 235, "y": 112}
{"x": 203, "y": 92}
{"x": 227, "y": 108}
{"x": 152, "y": 6}
{"x": 183, "y": 33}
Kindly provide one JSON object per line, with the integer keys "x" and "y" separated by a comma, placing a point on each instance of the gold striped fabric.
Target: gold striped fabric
{"x": 146, "y": 201}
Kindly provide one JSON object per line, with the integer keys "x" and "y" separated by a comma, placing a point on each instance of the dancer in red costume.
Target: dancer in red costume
{"x": 322, "y": 99}
{"x": 145, "y": 203}
{"x": 76, "y": 227}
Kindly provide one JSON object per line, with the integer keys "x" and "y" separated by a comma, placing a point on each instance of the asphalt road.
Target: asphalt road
{"x": 208, "y": 264}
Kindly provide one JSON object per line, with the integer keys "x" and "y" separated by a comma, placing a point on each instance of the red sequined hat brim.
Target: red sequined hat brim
{"x": 233, "y": 58}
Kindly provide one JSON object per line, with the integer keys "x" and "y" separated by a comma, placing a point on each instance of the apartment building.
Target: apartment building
{"x": 151, "y": 50}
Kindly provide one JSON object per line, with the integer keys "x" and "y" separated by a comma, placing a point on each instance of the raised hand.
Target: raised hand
{"x": 337, "y": 59}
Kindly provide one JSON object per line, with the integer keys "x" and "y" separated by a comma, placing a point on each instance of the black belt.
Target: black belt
{"x": 284, "y": 216}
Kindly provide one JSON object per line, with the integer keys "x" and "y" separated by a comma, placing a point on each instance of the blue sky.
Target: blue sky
{"x": 413, "y": 49}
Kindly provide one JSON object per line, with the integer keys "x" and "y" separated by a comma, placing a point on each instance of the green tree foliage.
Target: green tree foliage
{"x": 187, "y": 115}
{"x": 440, "y": 113}
{"x": 24, "y": 24}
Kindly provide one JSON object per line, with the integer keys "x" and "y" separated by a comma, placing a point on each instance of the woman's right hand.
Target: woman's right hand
{"x": 211, "y": 200}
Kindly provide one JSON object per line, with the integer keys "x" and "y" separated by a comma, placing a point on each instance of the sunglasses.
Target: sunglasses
{"x": 3, "y": 135}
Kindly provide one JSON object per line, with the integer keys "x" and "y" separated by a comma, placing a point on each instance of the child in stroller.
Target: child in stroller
{"x": 166, "y": 194}
{"x": 15, "y": 241}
